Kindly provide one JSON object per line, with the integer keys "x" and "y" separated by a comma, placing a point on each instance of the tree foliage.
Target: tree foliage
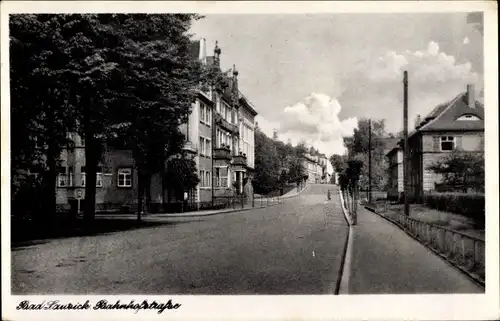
{"x": 181, "y": 175}
{"x": 461, "y": 170}
{"x": 358, "y": 148}
{"x": 277, "y": 164}
{"x": 110, "y": 77}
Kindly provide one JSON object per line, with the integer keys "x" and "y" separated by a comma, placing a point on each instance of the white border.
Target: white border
{"x": 386, "y": 307}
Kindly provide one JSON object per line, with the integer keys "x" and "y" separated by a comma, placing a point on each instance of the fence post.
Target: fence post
{"x": 242, "y": 201}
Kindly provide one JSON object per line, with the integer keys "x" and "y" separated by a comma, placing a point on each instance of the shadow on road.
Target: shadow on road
{"x": 32, "y": 233}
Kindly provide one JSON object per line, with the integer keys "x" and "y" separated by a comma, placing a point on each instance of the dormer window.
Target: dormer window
{"x": 468, "y": 117}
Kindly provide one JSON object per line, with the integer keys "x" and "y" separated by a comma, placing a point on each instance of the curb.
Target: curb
{"x": 471, "y": 276}
{"x": 173, "y": 215}
{"x": 343, "y": 279}
{"x": 294, "y": 195}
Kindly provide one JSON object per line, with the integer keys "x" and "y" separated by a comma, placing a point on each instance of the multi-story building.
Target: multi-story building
{"x": 219, "y": 136}
{"x": 312, "y": 169}
{"x": 323, "y": 162}
{"x": 455, "y": 125}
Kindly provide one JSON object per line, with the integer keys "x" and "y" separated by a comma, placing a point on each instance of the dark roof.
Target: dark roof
{"x": 194, "y": 49}
{"x": 444, "y": 117}
{"x": 389, "y": 142}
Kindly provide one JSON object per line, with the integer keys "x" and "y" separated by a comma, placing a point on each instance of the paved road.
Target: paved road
{"x": 290, "y": 248}
{"x": 385, "y": 260}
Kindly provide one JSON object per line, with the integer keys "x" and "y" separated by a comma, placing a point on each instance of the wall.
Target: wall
{"x": 467, "y": 141}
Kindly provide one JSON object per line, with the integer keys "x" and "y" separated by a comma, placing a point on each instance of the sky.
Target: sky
{"x": 311, "y": 77}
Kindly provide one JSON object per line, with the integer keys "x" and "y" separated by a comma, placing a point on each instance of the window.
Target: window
{"x": 70, "y": 176}
{"x": 83, "y": 177}
{"x": 221, "y": 177}
{"x": 124, "y": 177}
{"x": 205, "y": 147}
{"x": 447, "y": 143}
{"x": 202, "y": 178}
{"x": 98, "y": 182}
{"x": 208, "y": 147}
{"x": 208, "y": 179}
{"x": 205, "y": 178}
{"x": 202, "y": 146}
{"x": 468, "y": 117}
{"x": 202, "y": 112}
{"x": 61, "y": 177}
{"x": 208, "y": 117}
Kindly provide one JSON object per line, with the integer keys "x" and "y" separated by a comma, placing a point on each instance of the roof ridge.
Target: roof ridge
{"x": 451, "y": 103}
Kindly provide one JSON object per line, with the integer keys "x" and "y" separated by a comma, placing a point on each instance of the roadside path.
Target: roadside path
{"x": 385, "y": 260}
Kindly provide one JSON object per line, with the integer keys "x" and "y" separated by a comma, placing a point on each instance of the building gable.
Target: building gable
{"x": 457, "y": 116}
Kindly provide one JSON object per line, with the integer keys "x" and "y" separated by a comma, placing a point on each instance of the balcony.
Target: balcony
{"x": 239, "y": 162}
{"x": 222, "y": 152}
{"x": 189, "y": 147}
{"x": 240, "y": 159}
{"x": 225, "y": 124}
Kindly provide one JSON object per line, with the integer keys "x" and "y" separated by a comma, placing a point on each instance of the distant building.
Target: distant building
{"x": 455, "y": 125}
{"x": 312, "y": 169}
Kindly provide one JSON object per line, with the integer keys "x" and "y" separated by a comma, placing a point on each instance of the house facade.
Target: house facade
{"x": 312, "y": 169}
{"x": 220, "y": 139}
{"x": 455, "y": 125}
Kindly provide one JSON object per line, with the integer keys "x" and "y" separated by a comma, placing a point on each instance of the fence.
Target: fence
{"x": 464, "y": 251}
{"x": 263, "y": 200}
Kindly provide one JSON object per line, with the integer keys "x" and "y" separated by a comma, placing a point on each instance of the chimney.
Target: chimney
{"x": 418, "y": 120}
{"x": 235, "y": 85}
{"x": 471, "y": 97}
{"x": 217, "y": 53}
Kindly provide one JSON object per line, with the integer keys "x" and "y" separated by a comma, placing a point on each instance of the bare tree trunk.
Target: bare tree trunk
{"x": 91, "y": 160}
{"x": 147, "y": 190}
{"x": 50, "y": 183}
{"x": 140, "y": 194}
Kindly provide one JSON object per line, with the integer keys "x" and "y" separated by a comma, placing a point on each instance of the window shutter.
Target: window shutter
{"x": 435, "y": 143}
{"x": 458, "y": 140}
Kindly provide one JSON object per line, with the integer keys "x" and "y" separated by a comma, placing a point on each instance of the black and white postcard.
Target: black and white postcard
{"x": 250, "y": 160}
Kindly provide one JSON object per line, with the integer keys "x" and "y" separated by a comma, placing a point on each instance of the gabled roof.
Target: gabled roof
{"x": 444, "y": 116}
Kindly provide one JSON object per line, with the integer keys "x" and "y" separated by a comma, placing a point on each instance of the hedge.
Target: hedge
{"x": 470, "y": 204}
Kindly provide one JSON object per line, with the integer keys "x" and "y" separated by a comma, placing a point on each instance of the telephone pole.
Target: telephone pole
{"x": 405, "y": 156}
{"x": 369, "y": 160}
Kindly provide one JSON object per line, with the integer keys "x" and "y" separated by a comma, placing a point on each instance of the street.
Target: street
{"x": 296, "y": 247}
{"x": 292, "y": 248}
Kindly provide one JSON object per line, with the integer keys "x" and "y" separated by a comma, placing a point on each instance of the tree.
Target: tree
{"x": 267, "y": 165}
{"x": 461, "y": 170}
{"x": 338, "y": 162}
{"x": 358, "y": 148}
{"x": 42, "y": 114}
{"x": 181, "y": 176}
{"x": 162, "y": 80}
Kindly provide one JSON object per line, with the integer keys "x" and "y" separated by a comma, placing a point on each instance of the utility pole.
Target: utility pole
{"x": 405, "y": 156}
{"x": 369, "y": 160}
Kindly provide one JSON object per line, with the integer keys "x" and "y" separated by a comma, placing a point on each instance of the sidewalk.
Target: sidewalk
{"x": 258, "y": 203}
{"x": 385, "y": 260}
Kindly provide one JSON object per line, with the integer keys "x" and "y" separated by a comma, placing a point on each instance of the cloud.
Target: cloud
{"x": 316, "y": 121}
{"x": 376, "y": 89}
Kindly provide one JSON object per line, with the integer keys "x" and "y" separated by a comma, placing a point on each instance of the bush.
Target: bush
{"x": 471, "y": 205}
